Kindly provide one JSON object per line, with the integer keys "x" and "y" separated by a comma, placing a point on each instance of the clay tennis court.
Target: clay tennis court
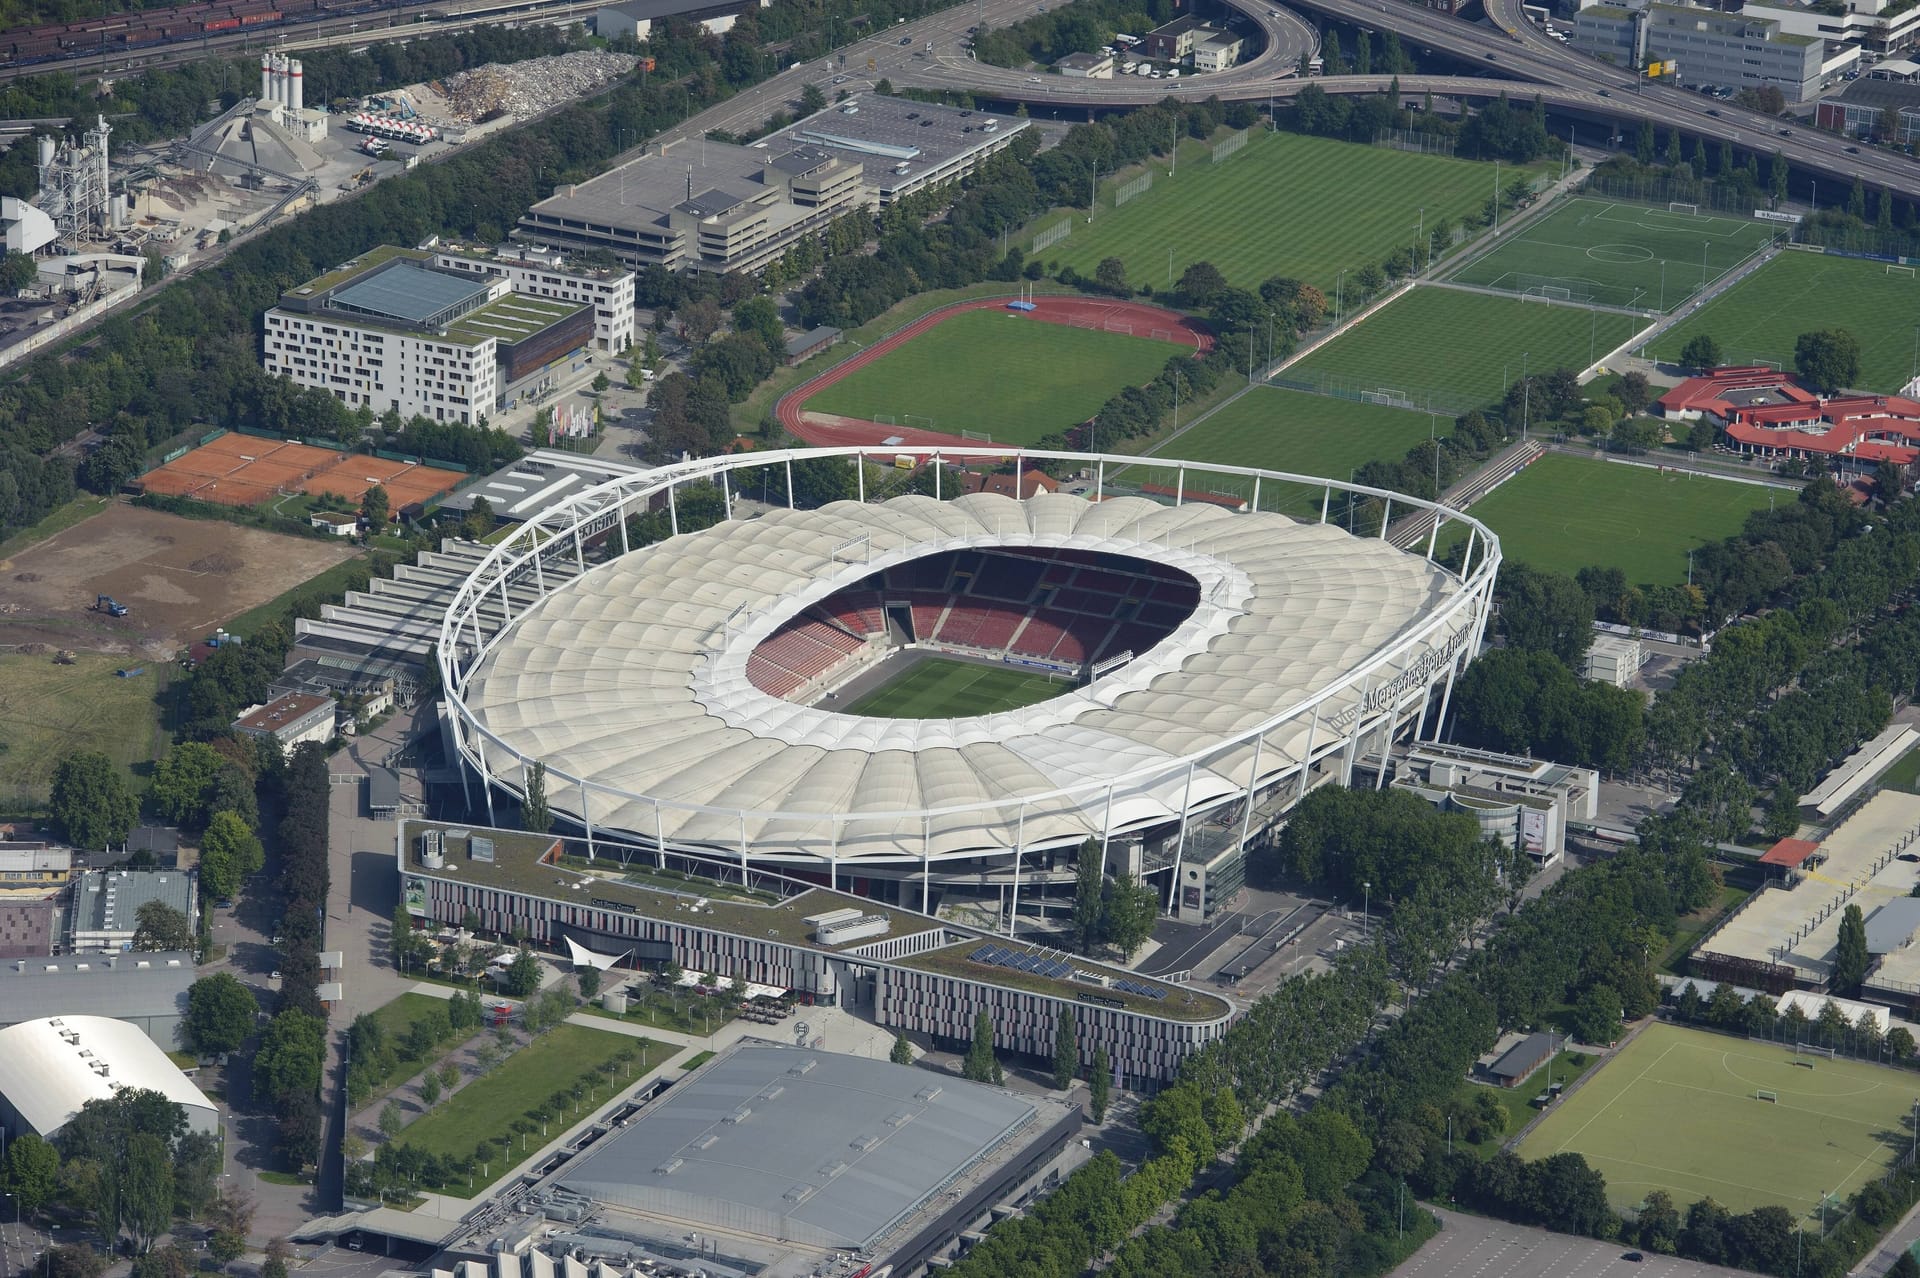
{"x": 828, "y": 430}
{"x": 241, "y": 470}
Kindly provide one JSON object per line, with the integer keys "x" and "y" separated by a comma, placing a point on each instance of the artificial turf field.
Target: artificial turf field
{"x": 1455, "y": 351}
{"x": 997, "y": 374}
{"x": 936, "y": 688}
{"x": 1618, "y": 254}
{"x": 1566, "y": 513}
{"x": 1757, "y": 320}
{"x": 1263, "y": 211}
{"x": 1292, "y": 431}
{"x": 1675, "y": 1109}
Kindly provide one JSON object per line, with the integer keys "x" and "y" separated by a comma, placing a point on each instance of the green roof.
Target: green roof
{"x": 360, "y": 265}
{"x": 513, "y": 318}
{"x": 1607, "y": 13}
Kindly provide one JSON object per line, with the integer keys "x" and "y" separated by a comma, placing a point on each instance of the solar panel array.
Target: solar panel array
{"x": 1135, "y": 987}
{"x": 1021, "y": 961}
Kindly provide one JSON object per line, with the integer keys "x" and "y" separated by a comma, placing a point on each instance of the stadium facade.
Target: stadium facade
{"x": 1227, "y": 659}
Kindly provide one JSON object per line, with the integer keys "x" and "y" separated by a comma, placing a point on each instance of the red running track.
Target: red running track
{"x": 828, "y": 430}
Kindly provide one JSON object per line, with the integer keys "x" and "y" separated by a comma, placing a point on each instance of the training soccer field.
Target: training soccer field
{"x": 1455, "y": 351}
{"x": 1264, "y": 211}
{"x": 936, "y": 688}
{"x": 1566, "y": 513}
{"x": 1617, "y": 254}
{"x": 1757, "y": 320}
{"x": 1676, "y": 1110}
{"x": 1292, "y": 431}
{"x": 997, "y": 374}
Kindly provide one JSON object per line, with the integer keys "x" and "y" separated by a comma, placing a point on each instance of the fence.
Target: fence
{"x": 1131, "y": 188}
{"x": 1416, "y": 141}
{"x": 1706, "y": 193}
{"x": 1228, "y": 146}
{"x": 1052, "y": 235}
{"x": 1418, "y": 398}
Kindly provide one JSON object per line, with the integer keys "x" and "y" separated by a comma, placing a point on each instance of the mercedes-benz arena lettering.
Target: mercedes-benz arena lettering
{"x": 1220, "y": 659}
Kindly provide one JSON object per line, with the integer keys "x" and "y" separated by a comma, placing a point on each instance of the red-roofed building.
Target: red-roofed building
{"x": 1789, "y": 854}
{"x": 1765, "y": 413}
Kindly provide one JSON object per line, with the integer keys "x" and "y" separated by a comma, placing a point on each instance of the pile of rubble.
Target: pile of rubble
{"x": 521, "y": 89}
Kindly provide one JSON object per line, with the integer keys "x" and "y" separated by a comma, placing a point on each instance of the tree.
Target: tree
{"x": 220, "y": 1013}
{"x": 226, "y": 1247}
{"x": 77, "y": 1260}
{"x": 1900, "y": 1043}
{"x": 430, "y": 1089}
{"x": 229, "y": 853}
{"x": 478, "y": 521}
{"x": 158, "y": 926}
{"x": 1086, "y": 921}
{"x": 601, "y": 381}
{"x": 183, "y": 782}
{"x": 1634, "y": 393}
{"x": 534, "y": 813}
{"x": 146, "y": 1181}
{"x": 1099, "y": 1083}
{"x": 812, "y": 99}
{"x": 700, "y": 319}
{"x": 1828, "y": 358}
{"x": 902, "y": 1053}
{"x": 33, "y": 1171}
{"x": 91, "y": 800}
{"x": 1200, "y": 283}
{"x": 1701, "y": 352}
{"x": 1111, "y": 276}
{"x": 391, "y": 1120}
{"x": 1783, "y": 812}
{"x": 375, "y": 507}
{"x": 981, "y": 1065}
{"x": 1596, "y": 1015}
{"x": 1850, "y": 951}
{"x": 276, "y": 1262}
{"x": 589, "y": 979}
{"x": 450, "y": 1075}
{"x": 1066, "y": 1050}
{"x": 523, "y": 974}
{"x": 1128, "y": 914}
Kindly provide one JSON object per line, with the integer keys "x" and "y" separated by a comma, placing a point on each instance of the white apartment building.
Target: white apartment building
{"x": 391, "y": 331}
{"x": 538, "y": 272}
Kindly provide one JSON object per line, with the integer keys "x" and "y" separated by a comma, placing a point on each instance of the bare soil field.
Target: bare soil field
{"x": 180, "y": 579}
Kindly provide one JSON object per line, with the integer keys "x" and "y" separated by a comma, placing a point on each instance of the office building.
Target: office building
{"x": 291, "y": 719}
{"x": 1738, "y": 50}
{"x": 537, "y": 272}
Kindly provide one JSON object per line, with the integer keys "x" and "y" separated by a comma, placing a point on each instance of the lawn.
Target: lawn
{"x": 1904, "y": 774}
{"x": 48, "y": 710}
{"x": 397, "y": 1018}
{"x": 1518, "y": 1101}
{"x": 1565, "y": 513}
{"x": 998, "y": 374}
{"x": 1618, "y": 254}
{"x": 486, "y": 1108}
{"x": 1293, "y": 431}
{"x": 1455, "y": 351}
{"x": 1691, "y": 927}
{"x": 940, "y": 689}
{"x": 1677, "y": 1110}
{"x": 1758, "y": 319}
{"x": 1265, "y": 211}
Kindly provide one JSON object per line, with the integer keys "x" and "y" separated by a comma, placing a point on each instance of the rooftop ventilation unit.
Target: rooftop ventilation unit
{"x": 740, "y": 1114}
{"x": 803, "y": 1068}
{"x": 669, "y": 1167}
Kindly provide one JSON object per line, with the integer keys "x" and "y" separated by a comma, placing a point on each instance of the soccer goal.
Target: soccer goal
{"x": 914, "y": 421}
{"x": 1675, "y": 206}
{"x": 1548, "y": 293}
{"x": 1772, "y": 1098}
{"x": 1900, "y": 270}
{"x": 976, "y": 436}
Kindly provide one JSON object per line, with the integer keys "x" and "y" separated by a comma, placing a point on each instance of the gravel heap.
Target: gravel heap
{"x": 527, "y": 88}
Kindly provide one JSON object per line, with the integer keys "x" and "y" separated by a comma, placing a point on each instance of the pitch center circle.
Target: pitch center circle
{"x": 1620, "y": 254}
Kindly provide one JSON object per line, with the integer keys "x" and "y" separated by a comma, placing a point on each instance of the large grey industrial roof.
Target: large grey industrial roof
{"x": 409, "y": 292}
{"x": 112, "y": 985}
{"x": 634, "y": 677}
{"x": 802, "y": 1145}
{"x": 108, "y": 900}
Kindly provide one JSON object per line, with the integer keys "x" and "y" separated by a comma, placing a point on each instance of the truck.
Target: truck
{"x": 109, "y": 605}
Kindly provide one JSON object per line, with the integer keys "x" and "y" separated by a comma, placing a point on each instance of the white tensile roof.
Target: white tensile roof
{"x": 50, "y": 1068}
{"x": 634, "y": 677}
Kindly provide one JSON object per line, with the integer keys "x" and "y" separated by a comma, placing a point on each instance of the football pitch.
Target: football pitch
{"x": 1292, "y": 431}
{"x": 1757, "y": 320}
{"x": 936, "y": 688}
{"x": 1590, "y": 250}
{"x": 1263, "y": 212}
{"x": 1677, "y": 1109}
{"x": 1455, "y": 350}
{"x": 997, "y": 374}
{"x": 1566, "y": 513}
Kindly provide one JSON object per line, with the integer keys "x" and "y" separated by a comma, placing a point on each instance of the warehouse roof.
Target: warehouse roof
{"x": 802, "y": 1145}
{"x": 111, "y": 985}
{"x": 50, "y": 1068}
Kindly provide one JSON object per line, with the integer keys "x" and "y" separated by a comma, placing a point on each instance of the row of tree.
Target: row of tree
{"x": 287, "y": 1065}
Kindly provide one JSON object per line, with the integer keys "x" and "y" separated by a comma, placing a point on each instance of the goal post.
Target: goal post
{"x": 1893, "y": 269}
{"x": 1676, "y": 206}
{"x": 1772, "y": 1098}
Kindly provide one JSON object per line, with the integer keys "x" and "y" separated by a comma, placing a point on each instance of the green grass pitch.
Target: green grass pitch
{"x": 1264, "y": 212}
{"x": 1292, "y": 431}
{"x": 1618, "y": 254}
{"x": 1459, "y": 350}
{"x": 1758, "y": 319}
{"x": 1676, "y": 1110}
{"x": 936, "y": 688}
{"x": 999, "y": 374}
{"x": 1565, "y": 513}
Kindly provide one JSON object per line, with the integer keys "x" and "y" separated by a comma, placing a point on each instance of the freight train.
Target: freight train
{"x": 120, "y": 32}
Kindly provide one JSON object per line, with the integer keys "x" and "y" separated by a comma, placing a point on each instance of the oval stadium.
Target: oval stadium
{"x": 935, "y": 700}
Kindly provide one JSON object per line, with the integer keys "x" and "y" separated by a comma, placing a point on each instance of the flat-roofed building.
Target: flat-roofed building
{"x": 1175, "y": 40}
{"x": 1860, "y": 109}
{"x": 291, "y": 719}
{"x": 903, "y": 146}
{"x": 634, "y": 19}
{"x": 1613, "y": 659}
{"x": 106, "y": 905}
{"x": 1085, "y": 66}
{"x": 700, "y": 206}
{"x": 147, "y": 991}
{"x": 536, "y": 272}
{"x": 1740, "y": 50}
{"x": 1217, "y": 53}
{"x": 1524, "y": 802}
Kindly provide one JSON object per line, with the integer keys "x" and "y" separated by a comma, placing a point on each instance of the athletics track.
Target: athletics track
{"x": 827, "y": 430}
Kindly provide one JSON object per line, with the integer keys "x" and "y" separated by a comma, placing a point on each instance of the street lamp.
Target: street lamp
{"x": 1366, "y": 906}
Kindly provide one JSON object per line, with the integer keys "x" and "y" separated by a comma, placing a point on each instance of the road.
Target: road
{"x": 1475, "y": 1247}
